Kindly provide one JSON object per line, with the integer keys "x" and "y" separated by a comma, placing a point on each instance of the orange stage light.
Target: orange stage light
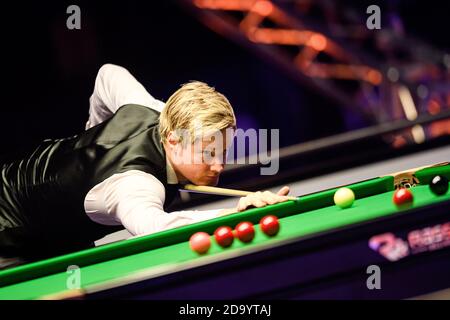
{"x": 263, "y": 8}
{"x": 237, "y": 5}
{"x": 433, "y": 107}
{"x": 374, "y": 77}
{"x": 317, "y": 41}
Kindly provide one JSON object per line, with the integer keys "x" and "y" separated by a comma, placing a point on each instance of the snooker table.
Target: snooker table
{"x": 321, "y": 252}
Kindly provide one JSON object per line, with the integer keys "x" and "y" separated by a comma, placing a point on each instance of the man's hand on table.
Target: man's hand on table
{"x": 259, "y": 199}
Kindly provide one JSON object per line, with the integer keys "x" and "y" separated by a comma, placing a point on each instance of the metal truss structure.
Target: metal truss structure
{"x": 382, "y": 75}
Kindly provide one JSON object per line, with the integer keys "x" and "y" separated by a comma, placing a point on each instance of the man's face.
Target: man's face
{"x": 203, "y": 161}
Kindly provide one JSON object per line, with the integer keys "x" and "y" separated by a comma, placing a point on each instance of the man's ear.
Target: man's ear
{"x": 172, "y": 139}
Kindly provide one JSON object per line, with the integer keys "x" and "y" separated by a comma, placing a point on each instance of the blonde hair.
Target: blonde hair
{"x": 198, "y": 109}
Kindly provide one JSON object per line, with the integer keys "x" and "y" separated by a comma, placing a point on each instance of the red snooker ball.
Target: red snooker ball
{"x": 200, "y": 242}
{"x": 270, "y": 225}
{"x": 403, "y": 197}
{"x": 245, "y": 231}
{"x": 224, "y": 236}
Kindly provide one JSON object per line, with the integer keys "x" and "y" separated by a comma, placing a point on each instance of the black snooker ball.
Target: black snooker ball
{"x": 439, "y": 185}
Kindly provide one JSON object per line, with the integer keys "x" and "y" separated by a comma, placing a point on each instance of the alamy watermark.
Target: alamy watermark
{"x": 373, "y": 282}
{"x": 250, "y": 146}
{"x": 74, "y": 20}
{"x": 374, "y": 20}
{"x": 73, "y": 281}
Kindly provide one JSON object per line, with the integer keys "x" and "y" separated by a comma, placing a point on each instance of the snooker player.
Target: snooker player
{"x": 121, "y": 171}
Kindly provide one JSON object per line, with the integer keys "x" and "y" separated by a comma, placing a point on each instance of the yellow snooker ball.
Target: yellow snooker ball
{"x": 344, "y": 197}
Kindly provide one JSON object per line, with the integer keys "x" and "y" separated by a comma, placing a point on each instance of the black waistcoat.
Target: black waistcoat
{"x": 42, "y": 195}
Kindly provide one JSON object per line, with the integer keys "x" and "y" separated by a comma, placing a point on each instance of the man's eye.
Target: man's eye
{"x": 209, "y": 153}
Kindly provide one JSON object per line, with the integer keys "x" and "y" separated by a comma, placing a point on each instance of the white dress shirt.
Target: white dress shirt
{"x": 133, "y": 198}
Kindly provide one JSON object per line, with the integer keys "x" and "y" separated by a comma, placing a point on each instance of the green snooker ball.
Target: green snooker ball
{"x": 344, "y": 197}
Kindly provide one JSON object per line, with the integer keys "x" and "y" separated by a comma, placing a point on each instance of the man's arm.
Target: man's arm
{"x": 135, "y": 200}
{"x": 115, "y": 87}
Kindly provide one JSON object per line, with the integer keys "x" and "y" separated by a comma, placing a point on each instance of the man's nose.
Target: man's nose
{"x": 217, "y": 168}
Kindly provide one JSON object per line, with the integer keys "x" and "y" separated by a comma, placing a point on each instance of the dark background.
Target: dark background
{"x": 48, "y": 71}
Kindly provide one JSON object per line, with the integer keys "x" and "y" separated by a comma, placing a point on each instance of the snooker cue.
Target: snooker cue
{"x": 221, "y": 191}
{"x": 64, "y": 295}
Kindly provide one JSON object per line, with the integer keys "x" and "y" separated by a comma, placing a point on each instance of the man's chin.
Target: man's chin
{"x": 209, "y": 181}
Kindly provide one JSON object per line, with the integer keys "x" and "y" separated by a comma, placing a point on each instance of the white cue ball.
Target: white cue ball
{"x": 344, "y": 197}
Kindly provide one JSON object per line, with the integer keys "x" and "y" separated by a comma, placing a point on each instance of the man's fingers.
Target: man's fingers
{"x": 242, "y": 204}
{"x": 259, "y": 203}
{"x": 261, "y": 199}
{"x": 270, "y": 197}
{"x": 283, "y": 191}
